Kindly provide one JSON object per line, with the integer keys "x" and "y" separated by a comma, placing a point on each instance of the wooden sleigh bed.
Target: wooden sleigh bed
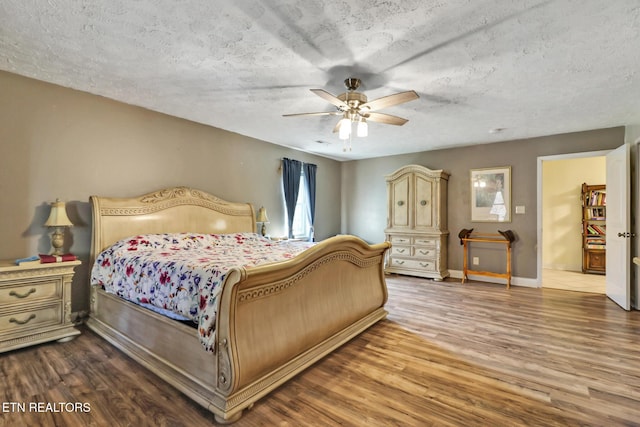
{"x": 273, "y": 321}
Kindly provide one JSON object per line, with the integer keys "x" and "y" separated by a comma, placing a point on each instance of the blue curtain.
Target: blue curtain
{"x": 291, "y": 184}
{"x": 310, "y": 175}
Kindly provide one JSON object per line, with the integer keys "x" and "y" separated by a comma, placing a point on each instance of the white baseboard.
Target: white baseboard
{"x": 516, "y": 281}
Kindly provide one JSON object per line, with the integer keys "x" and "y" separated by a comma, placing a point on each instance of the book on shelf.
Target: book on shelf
{"x": 594, "y": 229}
{"x": 595, "y": 242}
{"x": 28, "y": 260}
{"x": 598, "y": 198}
{"x": 596, "y": 213}
{"x": 46, "y": 259}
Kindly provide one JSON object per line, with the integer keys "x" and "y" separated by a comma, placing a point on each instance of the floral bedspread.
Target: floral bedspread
{"x": 183, "y": 273}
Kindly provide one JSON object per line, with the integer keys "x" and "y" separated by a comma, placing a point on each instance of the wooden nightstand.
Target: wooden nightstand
{"x": 35, "y": 303}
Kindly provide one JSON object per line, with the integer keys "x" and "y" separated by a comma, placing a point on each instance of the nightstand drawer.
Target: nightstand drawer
{"x": 27, "y": 320}
{"x": 32, "y": 291}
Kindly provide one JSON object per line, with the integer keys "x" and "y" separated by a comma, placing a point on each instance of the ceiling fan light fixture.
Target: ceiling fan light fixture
{"x": 356, "y": 109}
{"x": 363, "y": 128}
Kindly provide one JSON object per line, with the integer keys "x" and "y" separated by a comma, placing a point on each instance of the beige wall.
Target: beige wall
{"x": 57, "y": 142}
{"x": 364, "y": 191}
{"x": 562, "y": 208}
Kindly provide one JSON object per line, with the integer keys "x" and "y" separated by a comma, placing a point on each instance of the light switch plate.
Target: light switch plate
{"x": 520, "y": 209}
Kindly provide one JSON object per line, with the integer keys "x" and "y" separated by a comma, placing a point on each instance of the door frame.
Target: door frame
{"x": 541, "y": 159}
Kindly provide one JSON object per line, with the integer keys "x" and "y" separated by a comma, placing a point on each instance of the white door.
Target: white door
{"x": 618, "y": 227}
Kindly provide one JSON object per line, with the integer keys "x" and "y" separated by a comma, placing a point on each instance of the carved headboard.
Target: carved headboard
{"x": 172, "y": 210}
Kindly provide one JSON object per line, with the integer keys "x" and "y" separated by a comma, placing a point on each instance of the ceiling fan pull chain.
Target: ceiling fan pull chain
{"x": 346, "y": 143}
{"x": 350, "y": 136}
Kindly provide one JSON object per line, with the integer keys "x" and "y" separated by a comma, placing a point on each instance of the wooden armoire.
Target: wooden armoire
{"x": 417, "y": 222}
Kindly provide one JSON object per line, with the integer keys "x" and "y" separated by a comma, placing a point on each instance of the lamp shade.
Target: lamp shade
{"x": 262, "y": 215}
{"x": 344, "y": 130}
{"x": 58, "y": 215}
{"x": 363, "y": 128}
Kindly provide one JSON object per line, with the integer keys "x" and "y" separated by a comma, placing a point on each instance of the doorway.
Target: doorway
{"x": 560, "y": 220}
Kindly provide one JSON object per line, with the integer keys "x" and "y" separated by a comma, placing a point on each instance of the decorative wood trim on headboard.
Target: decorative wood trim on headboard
{"x": 171, "y": 197}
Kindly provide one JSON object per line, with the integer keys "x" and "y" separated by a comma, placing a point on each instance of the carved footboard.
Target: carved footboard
{"x": 273, "y": 321}
{"x": 278, "y": 319}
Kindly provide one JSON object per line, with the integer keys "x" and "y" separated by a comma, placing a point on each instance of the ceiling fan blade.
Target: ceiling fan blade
{"x": 386, "y": 119}
{"x": 391, "y": 100}
{"x": 326, "y": 113}
{"x": 332, "y": 99}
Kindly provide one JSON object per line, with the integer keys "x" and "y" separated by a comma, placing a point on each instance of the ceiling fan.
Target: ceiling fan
{"x": 354, "y": 107}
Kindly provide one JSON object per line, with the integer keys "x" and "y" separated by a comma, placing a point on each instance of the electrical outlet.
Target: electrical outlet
{"x": 476, "y": 260}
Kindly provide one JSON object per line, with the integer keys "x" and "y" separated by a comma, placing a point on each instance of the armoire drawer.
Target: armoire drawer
{"x": 402, "y": 240}
{"x": 428, "y": 265}
{"x": 401, "y": 250}
{"x": 424, "y": 252}
{"x": 425, "y": 241}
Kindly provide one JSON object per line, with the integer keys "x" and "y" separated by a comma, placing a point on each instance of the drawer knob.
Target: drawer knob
{"x": 22, "y": 322}
{"x": 401, "y": 250}
{"x": 400, "y": 203}
{"x": 423, "y": 202}
{"x": 400, "y": 262}
{"x": 424, "y": 252}
{"x": 424, "y": 264}
{"x": 17, "y": 295}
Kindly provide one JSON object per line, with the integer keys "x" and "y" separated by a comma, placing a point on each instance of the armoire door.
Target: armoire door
{"x": 424, "y": 204}
{"x": 399, "y": 204}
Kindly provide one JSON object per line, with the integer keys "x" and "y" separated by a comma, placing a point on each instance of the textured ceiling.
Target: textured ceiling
{"x": 530, "y": 68}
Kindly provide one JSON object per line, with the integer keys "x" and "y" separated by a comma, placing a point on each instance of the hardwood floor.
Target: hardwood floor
{"x": 448, "y": 355}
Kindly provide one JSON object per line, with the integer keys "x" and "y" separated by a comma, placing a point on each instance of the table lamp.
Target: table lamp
{"x": 58, "y": 219}
{"x": 262, "y": 217}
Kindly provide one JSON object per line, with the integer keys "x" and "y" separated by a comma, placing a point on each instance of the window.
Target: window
{"x": 301, "y": 219}
{"x": 299, "y": 191}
